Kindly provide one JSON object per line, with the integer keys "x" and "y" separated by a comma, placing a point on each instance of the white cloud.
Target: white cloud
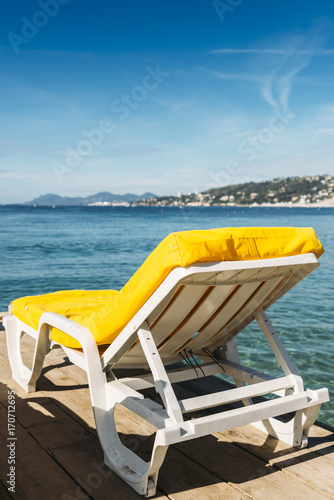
{"x": 324, "y": 131}
{"x": 15, "y": 175}
{"x": 182, "y": 105}
{"x": 276, "y": 88}
{"x": 241, "y": 134}
{"x": 275, "y": 68}
{"x": 325, "y": 113}
{"x": 233, "y": 76}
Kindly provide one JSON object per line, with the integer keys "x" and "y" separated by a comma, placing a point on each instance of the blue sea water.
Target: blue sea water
{"x": 45, "y": 249}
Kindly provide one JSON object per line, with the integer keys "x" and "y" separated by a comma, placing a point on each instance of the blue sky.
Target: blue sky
{"x": 162, "y": 96}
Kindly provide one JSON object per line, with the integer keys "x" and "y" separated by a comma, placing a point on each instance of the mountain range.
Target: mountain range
{"x": 292, "y": 191}
{"x": 99, "y": 198}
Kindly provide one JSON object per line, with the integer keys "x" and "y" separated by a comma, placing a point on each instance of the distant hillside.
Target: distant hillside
{"x": 99, "y": 198}
{"x": 301, "y": 191}
{"x": 281, "y": 190}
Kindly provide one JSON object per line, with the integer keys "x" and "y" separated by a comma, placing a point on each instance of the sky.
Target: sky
{"x": 160, "y": 96}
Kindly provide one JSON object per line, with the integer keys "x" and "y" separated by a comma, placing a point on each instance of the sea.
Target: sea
{"x": 45, "y": 249}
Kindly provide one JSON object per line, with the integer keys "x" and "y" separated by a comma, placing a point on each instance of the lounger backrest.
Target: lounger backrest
{"x": 212, "y": 302}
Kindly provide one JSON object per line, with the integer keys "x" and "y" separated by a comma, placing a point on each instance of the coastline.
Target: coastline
{"x": 252, "y": 205}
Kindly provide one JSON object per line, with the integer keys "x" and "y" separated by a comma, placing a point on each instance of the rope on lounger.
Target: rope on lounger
{"x": 208, "y": 353}
{"x": 187, "y": 360}
{"x": 199, "y": 366}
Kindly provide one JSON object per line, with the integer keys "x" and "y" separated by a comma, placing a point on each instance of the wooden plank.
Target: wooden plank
{"x": 3, "y": 346}
{"x": 4, "y": 495}
{"x": 321, "y": 440}
{"x": 253, "y": 476}
{"x": 58, "y": 359}
{"x": 6, "y": 382}
{"x": 308, "y": 466}
{"x": 183, "y": 479}
{"x": 84, "y": 462}
{"x": 27, "y": 345}
{"x": 254, "y": 463}
{"x": 46, "y": 421}
{"x": 55, "y": 430}
{"x": 272, "y": 448}
{"x": 64, "y": 392}
{"x": 49, "y": 424}
{"x": 67, "y": 393}
{"x": 37, "y": 474}
{"x": 299, "y": 478}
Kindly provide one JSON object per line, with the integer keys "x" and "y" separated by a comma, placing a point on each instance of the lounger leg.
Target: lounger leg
{"x": 140, "y": 475}
{"x": 25, "y": 377}
{"x": 295, "y": 431}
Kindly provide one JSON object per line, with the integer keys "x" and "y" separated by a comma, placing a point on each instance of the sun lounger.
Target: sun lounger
{"x": 188, "y": 301}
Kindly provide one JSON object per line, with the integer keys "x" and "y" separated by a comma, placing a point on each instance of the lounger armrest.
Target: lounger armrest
{"x": 71, "y": 328}
{"x": 96, "y": 376}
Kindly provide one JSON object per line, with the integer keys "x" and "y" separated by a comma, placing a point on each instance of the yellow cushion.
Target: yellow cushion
{"x": 105, "y": 313}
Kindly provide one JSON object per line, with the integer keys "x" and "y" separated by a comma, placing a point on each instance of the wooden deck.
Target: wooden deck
{"x": 58, "y": 455}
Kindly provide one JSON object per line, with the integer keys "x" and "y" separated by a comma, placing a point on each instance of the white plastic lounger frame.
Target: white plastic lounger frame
{"x": 198, "y": 309}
